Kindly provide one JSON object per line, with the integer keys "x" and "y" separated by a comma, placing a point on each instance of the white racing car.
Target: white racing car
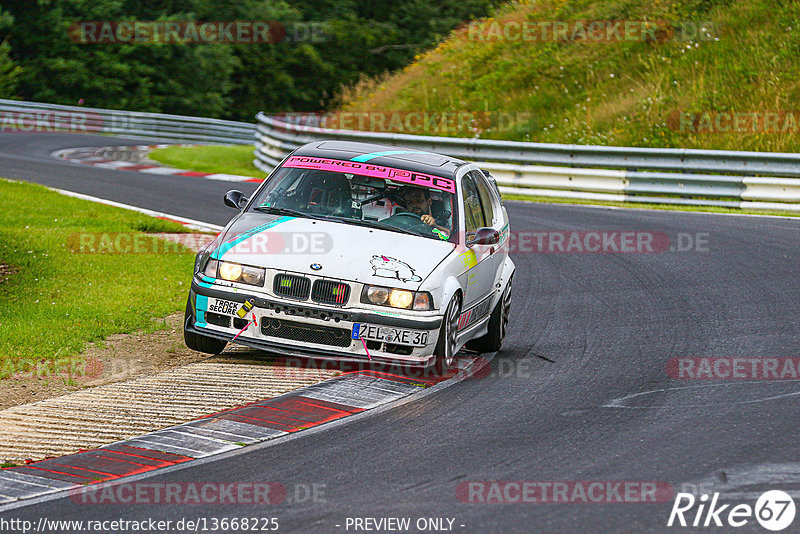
{"x": 353, "y": 251}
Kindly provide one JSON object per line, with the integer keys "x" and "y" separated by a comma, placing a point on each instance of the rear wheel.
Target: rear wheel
{"x": 198, "y": 342}
{"x": 448, "y": 334}
{"x": 498, "y": 325}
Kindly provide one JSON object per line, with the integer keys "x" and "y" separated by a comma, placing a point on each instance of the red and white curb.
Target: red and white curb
{"x": 230, "y": 430}
{"x": 134, "y": 158}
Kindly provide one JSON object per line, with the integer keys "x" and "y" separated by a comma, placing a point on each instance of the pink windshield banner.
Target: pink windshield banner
{"x": 373, "y": 171}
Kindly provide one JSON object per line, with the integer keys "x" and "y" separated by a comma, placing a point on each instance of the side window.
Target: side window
{"x": 486, "y": 198}
{"x": 473, "y": 215}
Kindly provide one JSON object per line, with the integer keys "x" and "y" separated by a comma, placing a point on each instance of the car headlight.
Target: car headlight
{"x": 230, "y": 271}
{"x": 400, "y": 298}
{"x": 235, "y": 272}
{"x": 397, "y": 298}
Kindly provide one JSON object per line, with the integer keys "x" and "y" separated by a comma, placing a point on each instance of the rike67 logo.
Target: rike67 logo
{"x": 774, "y": 510}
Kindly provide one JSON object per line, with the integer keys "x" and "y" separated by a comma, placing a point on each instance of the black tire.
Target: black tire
{"x": 445, "y": 347}
{"x": 498, "y": 325}
{"x": 200, "y": 343}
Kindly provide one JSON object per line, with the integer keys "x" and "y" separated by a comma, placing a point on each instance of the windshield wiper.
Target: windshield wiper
{"x": 286, "y": 211}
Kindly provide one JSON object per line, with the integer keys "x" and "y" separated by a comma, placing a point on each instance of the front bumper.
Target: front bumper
{"x": 269, "y": 310}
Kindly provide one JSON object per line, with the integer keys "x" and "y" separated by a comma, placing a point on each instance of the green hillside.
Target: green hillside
{"x": 721, "y": 74}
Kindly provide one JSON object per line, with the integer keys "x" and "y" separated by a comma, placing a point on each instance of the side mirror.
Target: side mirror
{"x": 235, "y": 199}
{"x": 484, "y": 236}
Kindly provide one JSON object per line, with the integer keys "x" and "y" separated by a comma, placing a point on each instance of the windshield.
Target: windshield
{"x": 358, "y": 194}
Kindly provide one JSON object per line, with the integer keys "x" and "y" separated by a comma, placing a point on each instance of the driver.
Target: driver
{"x": 417, "y": 200}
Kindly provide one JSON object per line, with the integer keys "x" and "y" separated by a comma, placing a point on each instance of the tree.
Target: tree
{"x": 9, "y": 71}
{"x": 364, "y": 37}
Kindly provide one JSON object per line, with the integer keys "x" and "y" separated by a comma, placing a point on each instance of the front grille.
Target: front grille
{"x": 308, "y": 333}
{"x": 218, "y": 320}
{"x": 291, "y": 286}
{"x": 330, "y": 292}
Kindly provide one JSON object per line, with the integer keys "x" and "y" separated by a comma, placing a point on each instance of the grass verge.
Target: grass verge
{"x": 53, "y": 301}
{"x": 237, "y": 159}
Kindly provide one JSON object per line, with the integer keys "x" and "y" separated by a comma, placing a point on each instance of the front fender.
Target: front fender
{"x": 506, "y": 272}
{"x": 451, "y": 286}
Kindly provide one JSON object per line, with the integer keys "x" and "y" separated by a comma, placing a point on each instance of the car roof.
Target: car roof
{"x": 383, "y": 155}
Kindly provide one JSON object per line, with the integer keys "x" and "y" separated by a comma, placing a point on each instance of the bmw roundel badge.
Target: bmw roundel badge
{"x": 316, "y": 266}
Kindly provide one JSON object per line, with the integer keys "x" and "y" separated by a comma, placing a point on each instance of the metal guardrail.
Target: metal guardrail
{"x": 22, "y": 116}
{"x": 673, "y": 176}
{"x": 755, "y": 180}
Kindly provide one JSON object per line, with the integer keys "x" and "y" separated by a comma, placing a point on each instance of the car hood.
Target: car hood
{"x": 331, "y": 249}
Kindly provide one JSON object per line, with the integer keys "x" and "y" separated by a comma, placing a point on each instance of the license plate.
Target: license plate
{"x": 399, "y": 336}
{"x": 223, "y": 307}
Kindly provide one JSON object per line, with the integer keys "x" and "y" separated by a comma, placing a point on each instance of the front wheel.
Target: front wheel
{"x": 200, "y": 343}
{"x": 498, "y": 325}
{"x": 446, "y": 346}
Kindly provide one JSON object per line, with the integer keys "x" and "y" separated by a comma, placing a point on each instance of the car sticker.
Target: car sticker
{"x": 464, "y": 319}
{"x": 470, "y": 261}
{"x": 201, "y": 305}
{"x": 388, "y": 314}
{"x": 373, "y": 171}
{"x": 366, "y": 157}
{"x": 443, "y": 236}
{"x": 474, "y": 314}
{"x": 206, "y": 282}
{"x": 503, "y": 236}
{"x": 387, "y": 267}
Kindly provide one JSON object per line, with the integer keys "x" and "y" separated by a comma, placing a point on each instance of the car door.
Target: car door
{"x": 477, "y": 260}
{"x": 494, "y": 218}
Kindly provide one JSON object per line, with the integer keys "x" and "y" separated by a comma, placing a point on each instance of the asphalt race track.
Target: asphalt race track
{"x": 27, "y": 157}
{"x": 581, "y": 391}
